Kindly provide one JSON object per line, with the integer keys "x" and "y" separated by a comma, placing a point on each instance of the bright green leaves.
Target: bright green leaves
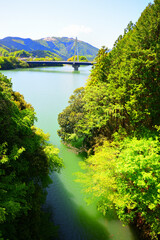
{"x": 15, "y": 153}
{"x": 99, "y": 178}
{"x": 138, "y": 173}
{"x": 100, "y": 71}
{"x": 26, "y": 159}
{"x": 12, "y": 190}
{"x": 123, "y": 88}
{"x": 3, "y": 156}
{"x": 121, "y": 100}
{"x": 11, "y": 63}
{"x": 55, "y": 163}
{"x": 143, "y": 88}
{"x": 127, "y": 177}
{"x": 70, "y": 116}
{"x": 80, "y": 58}
{"x": 148, "y": 25}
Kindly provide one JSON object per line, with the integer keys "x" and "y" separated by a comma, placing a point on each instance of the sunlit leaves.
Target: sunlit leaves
{"x": 121, "y": 100}
{"x": 127, "y": 177}
{"x": 80, "y": 58}
{"x": 11, "y": 63}
{"x": 26, "y": 159}
{"x": 98, "y": 177}
{"x": 138, "y": 171}
{"x": 71, "y": 115}
{"x": 55, "y": 163}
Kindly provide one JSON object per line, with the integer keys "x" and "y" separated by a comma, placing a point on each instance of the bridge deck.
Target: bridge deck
{"x": 75, "y": 65}
{"x": 58, "y": 62}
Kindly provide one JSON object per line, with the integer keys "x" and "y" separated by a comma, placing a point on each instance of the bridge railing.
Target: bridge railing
{"x": 75, "y": 65}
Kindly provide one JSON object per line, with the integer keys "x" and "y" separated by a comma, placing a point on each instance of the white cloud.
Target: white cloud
{"x": 74, "y": 30}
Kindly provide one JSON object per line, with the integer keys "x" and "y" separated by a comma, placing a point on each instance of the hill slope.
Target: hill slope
{"x": 64, "y": 47}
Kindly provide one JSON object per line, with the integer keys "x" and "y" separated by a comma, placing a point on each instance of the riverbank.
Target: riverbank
{"x": 117, "y": 115}
{"x": 48, "y": 90}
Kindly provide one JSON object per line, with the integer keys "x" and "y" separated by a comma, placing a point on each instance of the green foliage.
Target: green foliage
{"x": 119, "y": 114}
{"x": 138, "y": 177}
{"x": 21, "y": 54}
{"x": 4, "y": 52}
{"x": 11, "y": 63}
{"x": 55, "y": 47}
{"x": 123, "y": 88}
{"x": 26, "y": 159}
{"x": 102, "y": 67}
{"x": 46, "y": 55}
{"x": 98, "y": 177}
{"x": 70, "y": 116}
{"x": 80, "y": 59}
{"x": 40, "y": 55}
{"x": 126, "y": 176}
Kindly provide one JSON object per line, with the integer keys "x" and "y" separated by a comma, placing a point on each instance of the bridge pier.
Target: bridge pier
{"x": 75, "y": 66}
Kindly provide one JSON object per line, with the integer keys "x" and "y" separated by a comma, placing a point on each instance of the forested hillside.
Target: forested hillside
{"x": 62, "y": 48}
{"x": 26, "y": 159}
{"x": 116, "y": 120}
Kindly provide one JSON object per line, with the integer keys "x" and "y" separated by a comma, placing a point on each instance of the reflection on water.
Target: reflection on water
{"x": 48, "y": 90}
{"x": 70, "y": 211}
{"x": 66, "y": 70}
{"x": 74, "y": 220}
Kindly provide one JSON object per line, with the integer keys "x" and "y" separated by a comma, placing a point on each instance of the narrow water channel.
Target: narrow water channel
{"x": 48, "y": 90}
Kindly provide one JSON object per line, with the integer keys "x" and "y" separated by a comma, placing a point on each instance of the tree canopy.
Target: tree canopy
{"x": 118, "y": 123}
{"x": 26, "y": 159}
{"x": 80, "y": 58}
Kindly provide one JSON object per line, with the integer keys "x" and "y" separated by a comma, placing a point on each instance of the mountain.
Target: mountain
{"x": 62, "y": 46}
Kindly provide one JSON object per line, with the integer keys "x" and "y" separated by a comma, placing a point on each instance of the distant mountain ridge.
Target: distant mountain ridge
{"x": 62, "y": 46}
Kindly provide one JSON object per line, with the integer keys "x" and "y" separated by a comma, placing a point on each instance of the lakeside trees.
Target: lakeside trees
{"x": 11, "y": 63}
{"x": 15, "y": 59}
{"x": 26, "y": 158}
{"x": 81, "y": 58}
{"x": 118, "y": 120}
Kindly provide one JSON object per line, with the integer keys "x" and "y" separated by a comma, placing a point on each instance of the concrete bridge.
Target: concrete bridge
{"x": 74, "y": 64}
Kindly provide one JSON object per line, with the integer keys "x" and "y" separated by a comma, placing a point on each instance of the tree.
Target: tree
{"x": 119, "y": 115}
{"x": 26, "y": 159}
{"x": 81, "y": 58}
{"x": 70, "y": 116}
{"x": 125, "y": 176}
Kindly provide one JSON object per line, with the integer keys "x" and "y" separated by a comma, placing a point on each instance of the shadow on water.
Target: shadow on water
{"x": 77, "y": 220}
{"x": 73, "y": 221}
{"x": 49, "y": 94}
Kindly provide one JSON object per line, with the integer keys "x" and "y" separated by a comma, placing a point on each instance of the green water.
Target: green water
{"x": 48, "y": 90}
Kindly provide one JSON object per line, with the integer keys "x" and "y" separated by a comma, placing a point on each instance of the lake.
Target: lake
{"x": 48, "y": 90}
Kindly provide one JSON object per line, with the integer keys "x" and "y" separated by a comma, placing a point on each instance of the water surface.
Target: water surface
{"x": 48, "y": 90}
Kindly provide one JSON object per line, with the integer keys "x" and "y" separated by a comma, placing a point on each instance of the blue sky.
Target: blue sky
{"x": 98, "y": 22}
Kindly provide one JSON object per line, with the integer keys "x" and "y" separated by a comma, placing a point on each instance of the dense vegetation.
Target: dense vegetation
{"x": 80, "y": 58}
{"x": 15, "y": 59}
{"x": 116, "y": 119}
{"x": 20, "y": 54}
{"x": 4, "y": 51}
{"x": 11, "y": 63}
{"x": 62, "y": 47}
{"x": 32, "y": 54}
{"x": 26, "y": 158}
{"x": 45, "y": 54}
{"x": 13, "y": 50}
